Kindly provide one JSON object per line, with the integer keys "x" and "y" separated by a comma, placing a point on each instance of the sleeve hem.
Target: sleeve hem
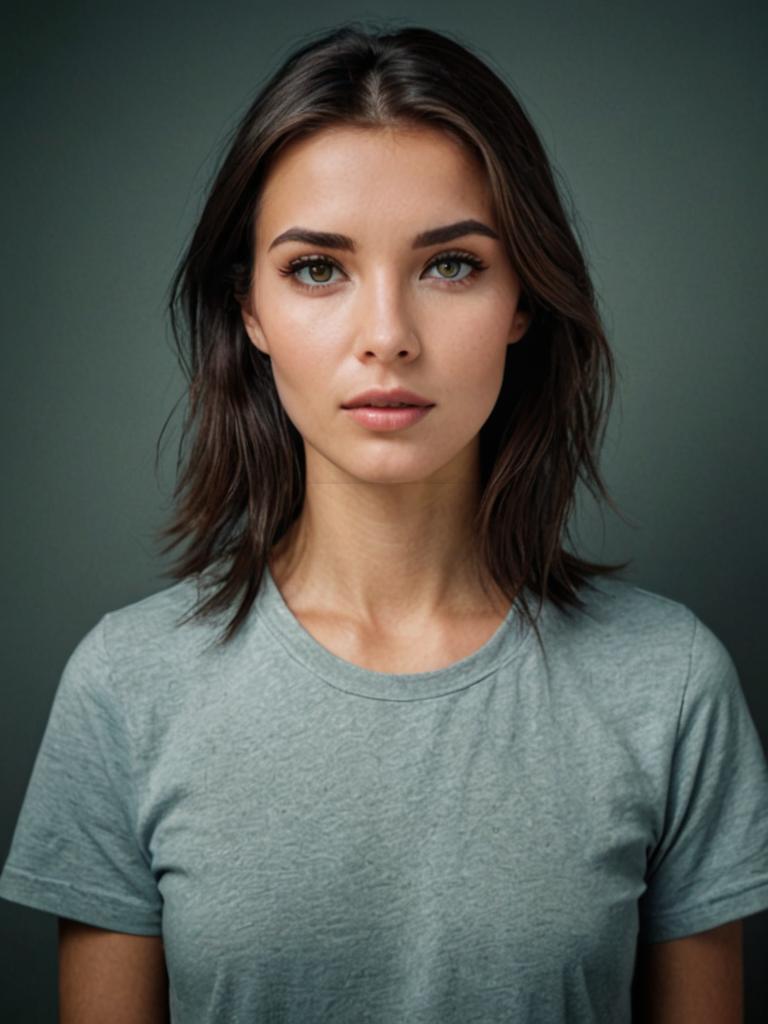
{"x": 66, "y": 900}
{"x": 679, "y": 923}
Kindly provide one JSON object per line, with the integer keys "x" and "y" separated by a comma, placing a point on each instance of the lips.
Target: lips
{"x": 377, "y": 397}
{"x": 379, "y": 419}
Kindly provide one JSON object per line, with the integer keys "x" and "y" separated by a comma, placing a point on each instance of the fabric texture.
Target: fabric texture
{"x": 316, "y": 841}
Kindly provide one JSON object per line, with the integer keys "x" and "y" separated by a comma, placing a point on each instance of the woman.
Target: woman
{"x": 343, "y": 769}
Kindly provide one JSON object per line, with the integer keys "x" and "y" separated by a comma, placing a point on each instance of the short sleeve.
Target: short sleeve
{"x": 710, "y": 864}
{"x": 75, "y": 852}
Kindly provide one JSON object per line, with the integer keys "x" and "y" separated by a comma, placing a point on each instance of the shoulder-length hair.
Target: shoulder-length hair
{"x": 241, "y": 485}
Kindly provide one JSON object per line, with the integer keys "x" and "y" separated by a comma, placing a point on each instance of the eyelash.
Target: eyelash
{"x": 454, "y": 255}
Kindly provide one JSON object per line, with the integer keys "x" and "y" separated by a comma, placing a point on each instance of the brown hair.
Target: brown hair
{"x": 242, "y": 484}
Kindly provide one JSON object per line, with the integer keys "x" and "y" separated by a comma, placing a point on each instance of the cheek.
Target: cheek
{"x": 298, "y": 347}
{"x": 474, "y": 332}
{"x": 298, "y": 377}
{"x": 474, "y": 363}
{"x": 305, "y": 372}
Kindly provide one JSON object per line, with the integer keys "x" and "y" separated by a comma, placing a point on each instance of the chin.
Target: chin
{"x": 379, "y": 473}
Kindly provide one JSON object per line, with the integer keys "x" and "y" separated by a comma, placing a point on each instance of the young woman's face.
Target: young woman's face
{"x": 386, "y": 311}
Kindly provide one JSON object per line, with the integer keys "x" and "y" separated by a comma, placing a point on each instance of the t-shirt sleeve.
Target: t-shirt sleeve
{"x": 75, "y": 852}
{"x": 710, "y": 864}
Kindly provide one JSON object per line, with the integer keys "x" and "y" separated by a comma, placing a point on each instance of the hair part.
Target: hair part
{"x": 240, "y": 487}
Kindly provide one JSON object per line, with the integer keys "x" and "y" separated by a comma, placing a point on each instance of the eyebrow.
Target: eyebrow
{"x": 435, "y": 236}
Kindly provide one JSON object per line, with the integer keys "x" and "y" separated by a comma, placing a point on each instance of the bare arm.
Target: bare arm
{"x": 110, "y": 976}
{"x": 694, "y": 980}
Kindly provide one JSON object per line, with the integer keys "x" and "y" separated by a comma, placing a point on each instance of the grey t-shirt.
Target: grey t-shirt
{"x": 316, "y": 841}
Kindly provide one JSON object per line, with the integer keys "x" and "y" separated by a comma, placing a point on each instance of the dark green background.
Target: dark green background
{"x": 654, "y": 115}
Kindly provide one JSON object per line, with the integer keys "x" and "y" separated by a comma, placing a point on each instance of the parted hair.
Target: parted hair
{"x": 240, "y": 466}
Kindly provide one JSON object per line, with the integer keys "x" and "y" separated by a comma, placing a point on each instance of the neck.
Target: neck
{"x": 377, "y": 553}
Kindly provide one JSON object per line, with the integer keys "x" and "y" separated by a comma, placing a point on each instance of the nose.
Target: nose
{"x": 387, "y": 330}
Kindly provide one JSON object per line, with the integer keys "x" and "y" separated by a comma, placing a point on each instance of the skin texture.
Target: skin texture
{"x": 694, "y": 980}
{"x": 110, "y": 976}
{"x": 392, "y": 507}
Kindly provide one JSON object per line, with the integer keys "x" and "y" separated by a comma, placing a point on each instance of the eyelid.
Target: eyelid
{"x": 322, "y": 258}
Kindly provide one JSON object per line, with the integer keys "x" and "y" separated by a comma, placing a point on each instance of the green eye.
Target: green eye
{"x": 324, "y": 265}
{"x": 452, "y": 262}
{"x": 313, "y": 265}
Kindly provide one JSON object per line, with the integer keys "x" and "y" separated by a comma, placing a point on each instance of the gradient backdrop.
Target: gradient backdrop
{"x": 113, "y": 116}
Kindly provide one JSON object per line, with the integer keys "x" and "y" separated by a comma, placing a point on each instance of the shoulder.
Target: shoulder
{"x": 146, "y": 652}
{"x": 154, "y": 626}
{"x": 636, "y": 649}
{"x": 635, "y": 624}
{"x": 622, "y": 623}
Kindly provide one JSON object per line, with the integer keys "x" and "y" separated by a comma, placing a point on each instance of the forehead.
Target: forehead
{"x": 385, "y": 178}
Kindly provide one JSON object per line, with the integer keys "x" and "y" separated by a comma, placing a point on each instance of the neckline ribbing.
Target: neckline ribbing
{"x": 508, "y": 640}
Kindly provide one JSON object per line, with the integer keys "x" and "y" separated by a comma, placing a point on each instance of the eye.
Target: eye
{"x": 457, "y": 258}
{"x": 325, "y": 265}
{"x": 311, "y": 263}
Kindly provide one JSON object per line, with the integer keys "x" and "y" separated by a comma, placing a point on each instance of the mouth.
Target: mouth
{"x": 377, "y": 417}
{"x": 397, "y": 397}
{"x": 389, "y": 405}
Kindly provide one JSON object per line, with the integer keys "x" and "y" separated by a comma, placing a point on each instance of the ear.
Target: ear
{"x": 520, "y": 325}
{"x": 253, "y": 327}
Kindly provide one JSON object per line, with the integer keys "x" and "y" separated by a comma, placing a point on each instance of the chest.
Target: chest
{"x": 467, "y": 834}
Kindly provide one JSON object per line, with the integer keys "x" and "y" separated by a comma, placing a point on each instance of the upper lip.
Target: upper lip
{"x": 378, "y": 395}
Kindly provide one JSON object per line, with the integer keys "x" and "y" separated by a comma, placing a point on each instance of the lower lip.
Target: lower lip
{"x": 388, "y": 419}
